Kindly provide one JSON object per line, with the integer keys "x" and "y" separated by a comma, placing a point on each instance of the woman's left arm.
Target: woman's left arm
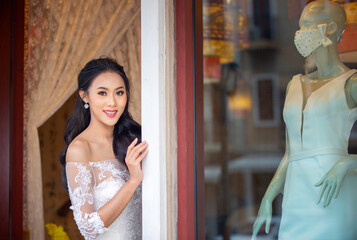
{"x": 332, "y": 181}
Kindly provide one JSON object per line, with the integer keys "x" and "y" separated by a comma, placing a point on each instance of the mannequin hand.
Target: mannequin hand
{"x": 331, "y": 183}
{"x": 264, "y": 215}
{"x": 134, "y": 156}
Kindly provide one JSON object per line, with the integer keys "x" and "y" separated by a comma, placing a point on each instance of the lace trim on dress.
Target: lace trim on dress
{"x": 89, "y": 223}
{"x": 106, "y": 166}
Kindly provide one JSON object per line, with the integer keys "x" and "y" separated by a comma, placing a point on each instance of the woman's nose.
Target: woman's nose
{"x": 111, "y": 100}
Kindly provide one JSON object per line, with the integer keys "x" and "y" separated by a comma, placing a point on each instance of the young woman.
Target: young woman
{"x": 103, "y": 155}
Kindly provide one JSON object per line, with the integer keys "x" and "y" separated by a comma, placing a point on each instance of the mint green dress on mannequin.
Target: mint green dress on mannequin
{"x": 318, "y": 137}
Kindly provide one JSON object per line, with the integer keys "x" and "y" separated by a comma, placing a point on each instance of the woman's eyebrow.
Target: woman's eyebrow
{"x": 102, "y": 88}
{"x": 108, "y": 89}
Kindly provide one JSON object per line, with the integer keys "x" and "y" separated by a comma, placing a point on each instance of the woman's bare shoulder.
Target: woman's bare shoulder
{"x": 78, "y": 150}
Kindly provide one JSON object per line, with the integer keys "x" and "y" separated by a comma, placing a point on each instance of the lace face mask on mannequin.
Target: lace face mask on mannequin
{"x": 306, "y": 41}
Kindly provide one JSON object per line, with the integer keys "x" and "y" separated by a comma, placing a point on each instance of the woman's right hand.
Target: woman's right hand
{"x": 134, "y": 156}
{"x": 264, "y": 215}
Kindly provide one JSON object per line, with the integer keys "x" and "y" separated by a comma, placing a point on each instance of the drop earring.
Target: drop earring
{"x": 86, "y": 105}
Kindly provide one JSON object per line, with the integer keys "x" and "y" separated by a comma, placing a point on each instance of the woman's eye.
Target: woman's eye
{"x": 102, "y": 93}
{"x": 120, "y": 93}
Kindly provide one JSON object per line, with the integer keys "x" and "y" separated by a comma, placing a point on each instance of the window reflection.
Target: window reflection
{"x": 249, "y": 58}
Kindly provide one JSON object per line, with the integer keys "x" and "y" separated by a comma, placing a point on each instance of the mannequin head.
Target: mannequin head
{"x": 324, "y": 12}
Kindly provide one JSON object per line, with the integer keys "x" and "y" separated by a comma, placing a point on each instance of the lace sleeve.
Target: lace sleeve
{"x": 80, "y": 187}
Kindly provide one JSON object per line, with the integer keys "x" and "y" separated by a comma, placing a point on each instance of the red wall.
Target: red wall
{"x": 5, "y": 77}
{"x": 17, "y": 119}
{"x": 11, "y": 123}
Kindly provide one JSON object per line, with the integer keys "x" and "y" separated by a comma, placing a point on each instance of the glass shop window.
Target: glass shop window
{"x": 249, "y": 58}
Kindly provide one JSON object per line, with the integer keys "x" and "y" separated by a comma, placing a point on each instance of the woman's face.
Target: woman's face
{"x": 106, "y": 97}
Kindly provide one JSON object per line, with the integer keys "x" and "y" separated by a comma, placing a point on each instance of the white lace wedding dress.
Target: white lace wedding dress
{"x": 90, "y": 186}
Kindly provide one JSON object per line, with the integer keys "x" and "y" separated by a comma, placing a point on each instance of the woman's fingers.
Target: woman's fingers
{"x": 132, "y": 144}
{"x": 142, "y": 155}
{"x": 136, "y": 153}
{"x": 138, "y": 150}
{"x": 130, "y": 147}
{"x": 140, "y": 147}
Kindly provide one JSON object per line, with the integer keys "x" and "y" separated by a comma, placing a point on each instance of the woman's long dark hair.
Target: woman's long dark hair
{"x": 125, "y": 130}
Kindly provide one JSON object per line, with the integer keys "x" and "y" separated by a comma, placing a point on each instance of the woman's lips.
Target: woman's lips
{"x": 110, "y": 113}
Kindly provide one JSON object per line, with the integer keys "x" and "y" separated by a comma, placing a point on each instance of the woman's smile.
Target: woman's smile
{"x": 110, "y": 113}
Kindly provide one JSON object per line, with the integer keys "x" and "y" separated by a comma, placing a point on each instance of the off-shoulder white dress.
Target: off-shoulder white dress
{"x": 90, "y": 186}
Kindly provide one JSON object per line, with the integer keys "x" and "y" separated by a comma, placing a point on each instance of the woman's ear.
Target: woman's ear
{"x": 83, "y": 95}
{"x": 331, "y": 28}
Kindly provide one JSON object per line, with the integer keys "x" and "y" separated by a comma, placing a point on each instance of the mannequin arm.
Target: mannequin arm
{"x": 275, "y": 187}
{"x": 351, "y": 91}
{"x": 332, "y": 181}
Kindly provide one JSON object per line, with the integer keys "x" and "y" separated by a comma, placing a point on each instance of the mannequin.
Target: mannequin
{"x": 318, "y": 182}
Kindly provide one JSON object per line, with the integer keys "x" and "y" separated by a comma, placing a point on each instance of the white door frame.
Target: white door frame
{"x": 158, "y": 119}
